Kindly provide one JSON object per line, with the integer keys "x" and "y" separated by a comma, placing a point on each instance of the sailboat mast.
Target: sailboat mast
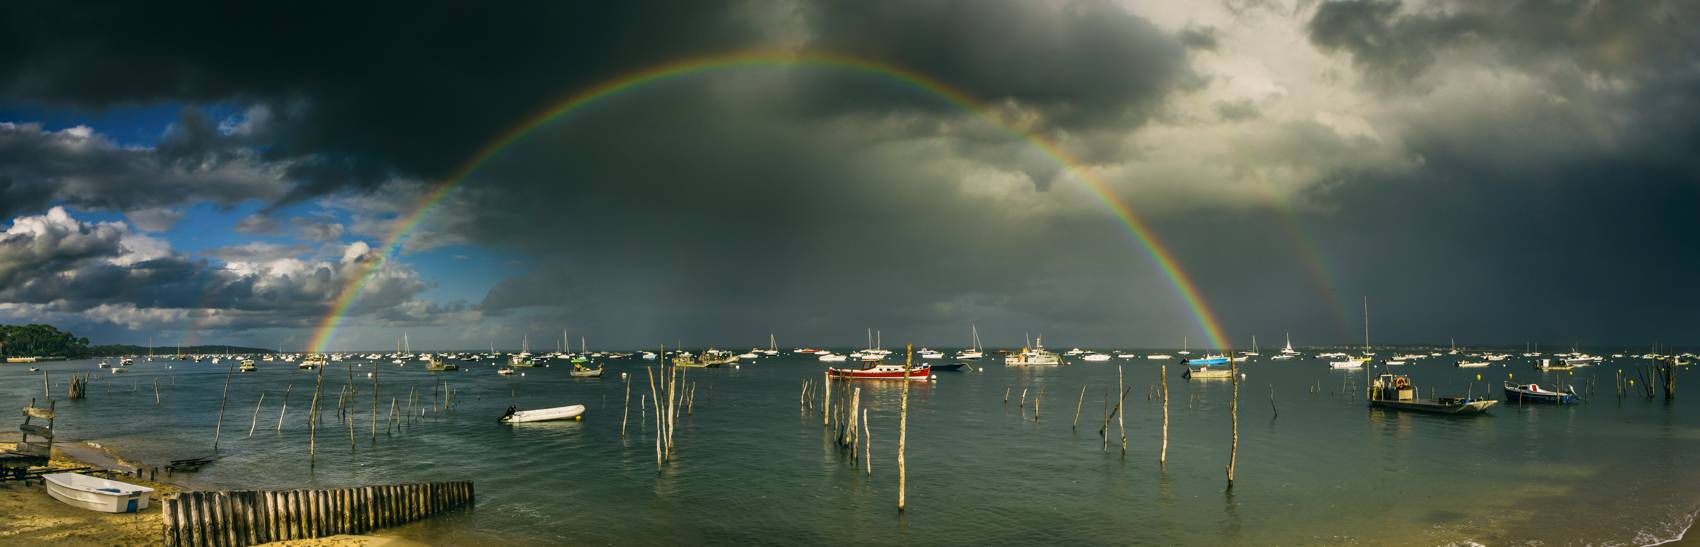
{"x": 1366, "y": 325}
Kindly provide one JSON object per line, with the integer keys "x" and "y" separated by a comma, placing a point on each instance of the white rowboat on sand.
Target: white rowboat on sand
{"x": 96, "y": 494}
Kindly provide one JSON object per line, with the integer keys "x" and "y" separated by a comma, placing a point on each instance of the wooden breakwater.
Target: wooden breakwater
{"x": 251, "y": 517}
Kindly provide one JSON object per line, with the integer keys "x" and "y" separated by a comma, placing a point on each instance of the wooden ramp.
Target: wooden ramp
{"x": 251, "y": 517}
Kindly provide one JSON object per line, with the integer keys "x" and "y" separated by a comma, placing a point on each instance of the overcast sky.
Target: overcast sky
{"x": 1494, "y": 171}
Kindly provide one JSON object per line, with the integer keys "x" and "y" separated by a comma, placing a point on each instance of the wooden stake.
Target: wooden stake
{"x": 256, "y": 421}
{"x": 903, "y": 430}
{"x": 1163, "y": 453}
{"x": 374, "y": 406}
{"x": 627, "y": 413}
{"x": 1277, "y": 412}
{"x": 867, "y": 444}
{"x": 285, "y": 409}
{"x": 1234, "y": 412}
{"x": 219, "y": 427}
{"x": 313, "y": 417}
{"x": 826, "y": 401}
{"x": 1077, "y": 403}
{"x": 1121, "y": 421}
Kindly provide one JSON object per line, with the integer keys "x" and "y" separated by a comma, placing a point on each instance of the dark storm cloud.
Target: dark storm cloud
{"x": 82, "y": 168}
{"x": 1395, "y": 43}
{"x": 1084, "y": 64}
{"x": 357, "y": 93}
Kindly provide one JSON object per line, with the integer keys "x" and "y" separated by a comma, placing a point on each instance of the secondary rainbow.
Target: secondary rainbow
{"x": 405, "y": 225}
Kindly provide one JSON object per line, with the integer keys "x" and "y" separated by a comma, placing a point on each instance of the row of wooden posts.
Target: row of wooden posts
{"x": 849, "y": 428}
{"x": 675, "y": 394}
{"x": 443, "y": 397}
{"x": 234, "y": 518}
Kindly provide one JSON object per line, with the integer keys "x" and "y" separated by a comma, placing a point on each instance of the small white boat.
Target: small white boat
{"x": 1472, "y": 364}
{"x": 1159, "y": 356}
{"x": 505, "y": 371}
{"x": 831, "y": 358}
{"x": 930, "y": 354}
{"x": 514, "y": 416}
{"x": 96, "y": 494}
{"x": 1095, "y": 357}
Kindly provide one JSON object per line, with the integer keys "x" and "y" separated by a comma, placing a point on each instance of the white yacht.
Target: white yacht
{"x": 1034, "y": 356}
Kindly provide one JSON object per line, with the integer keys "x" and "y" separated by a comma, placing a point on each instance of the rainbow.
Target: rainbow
{"x": 405, "y": 225}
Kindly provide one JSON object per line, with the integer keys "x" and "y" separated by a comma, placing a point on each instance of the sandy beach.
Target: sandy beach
{"x": 31, "y": 517}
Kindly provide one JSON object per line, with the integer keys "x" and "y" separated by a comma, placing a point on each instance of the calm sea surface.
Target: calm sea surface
{"x": 753, "y": 469}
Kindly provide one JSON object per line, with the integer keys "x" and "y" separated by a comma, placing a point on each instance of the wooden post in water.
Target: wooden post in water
{"x": 1121, "y": 419}
{"x": 826, "y": 401}
{"x": 390, "y": 421}
{"x": 903, "y": 429}
{"x": 1037, "y": 400}
{"x": 1022, "y": 404}
{"x": 219, "y": 427}
{"x": 1277, "y": 412}
{"x": 375, "y": 405}
{"x": 313, "y": 417}
{"x": 1077, "y": 403}
{"x": 1234, "y": 414}
{"x": 1006, "y": 394}
{"x": 652, "y": 396}
{"x": 285, "y": 409}
{"x": 1163, "y": 453}
{"x": 627, "y": 413}
{"x": 256, "y": 421}
{"x": 867, "y": 444}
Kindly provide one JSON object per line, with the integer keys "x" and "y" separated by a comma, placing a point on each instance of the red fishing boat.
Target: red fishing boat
{"x": 882, "y": 371}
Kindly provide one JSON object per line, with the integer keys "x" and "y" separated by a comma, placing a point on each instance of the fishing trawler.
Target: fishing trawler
{"x": 311, "y": 362}
{"x": 1395, "y": 391}
{"x": 438, "y": 364}
{"x": 709, "y": 358}
{"x": 247, "y": 366}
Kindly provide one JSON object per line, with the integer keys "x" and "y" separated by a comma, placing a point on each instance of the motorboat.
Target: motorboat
{"x": 929, "y": 354}
{"x": 1159, "y": 356}
{"x": 883, "y": 371}
{"x": 1473, "y": 364}
{"x": 1095, "y": 357}
{"x": 1207, "y": 360}
{"x": 581, "y": 371}
{"x": 96, "y": 494}
{"x": 505, "y": 371}
{"x": 311, "y": 362}
{"x": 1534, "y": 393}
{"x": 247, "y": 366}
{"x": 1348, "y": 363}
{"x": 829, "y": 357}
{"x": 516, "y": 416}
{"x": 1204, "y": 372}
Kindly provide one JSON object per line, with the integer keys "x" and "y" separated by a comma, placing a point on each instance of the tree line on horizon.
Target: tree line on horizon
{"x": 38, "y": 340}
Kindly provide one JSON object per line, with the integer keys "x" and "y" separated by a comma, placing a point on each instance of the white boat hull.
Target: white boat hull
{"x": 545, "y": 414}
{"x": 96, "y": 494}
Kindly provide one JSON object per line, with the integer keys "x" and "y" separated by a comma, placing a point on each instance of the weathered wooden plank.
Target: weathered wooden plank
{"x": 33, "y": 448}
{"x": 37, "y": 430}
{"x": 167, "y": 513}
{"x": 38, "y": 412}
